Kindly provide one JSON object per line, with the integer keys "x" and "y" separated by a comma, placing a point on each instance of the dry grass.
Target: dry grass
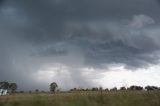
{"x": 120, "y": 98}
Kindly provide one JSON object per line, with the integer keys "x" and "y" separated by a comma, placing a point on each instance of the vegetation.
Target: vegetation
{"x": 132, "y": 96}
{"x": 4, "y": 85}
{"x": 53, "y": 86}
{"x": 84, "y": 98}
{"x": 13, "y": 87}
{"x": 9, "y": 86}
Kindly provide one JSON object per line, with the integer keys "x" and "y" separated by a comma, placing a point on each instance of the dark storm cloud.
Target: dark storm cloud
{"x": 38, "y": 32}
{"x": 130, "y": 43}
{"x": 50, "y": 16}
{"x": 1, "y": 2}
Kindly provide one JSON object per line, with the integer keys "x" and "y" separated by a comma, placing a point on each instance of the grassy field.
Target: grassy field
{"x": 120, "y": 98}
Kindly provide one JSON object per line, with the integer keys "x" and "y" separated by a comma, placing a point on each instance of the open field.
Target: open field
{"x": 120, "y": 98}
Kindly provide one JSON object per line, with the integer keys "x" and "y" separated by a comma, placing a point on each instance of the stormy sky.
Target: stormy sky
{"x": 79, "y": 43}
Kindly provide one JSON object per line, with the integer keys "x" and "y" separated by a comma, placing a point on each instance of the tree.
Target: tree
{"x": 95, "y": 89}
{"x": 1, "y": 85}
{"x": 37, "y": 90}
{"x": 134, "y": 87}
{"x": 4, "y": 85}
{"x": 100, "y": 89}
{"x": 123, "y": 88}
{"x": 106, "y": 89}
{"x": 13, "y": 87}
{"x": 113, "y": 89}
{"x": 150, "y": 88}
{"x": 53, "y": 86}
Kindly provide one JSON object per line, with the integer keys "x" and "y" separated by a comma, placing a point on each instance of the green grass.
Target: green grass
{"x": 120, "y": 98}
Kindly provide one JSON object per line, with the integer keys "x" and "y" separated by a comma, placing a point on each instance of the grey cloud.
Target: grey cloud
{"x": 78, "y": 33}
{"x": 1, "y": 2}
{"x": 49, "y": 17}
{"x": 141, "y": 21}
{"x": 49, "y": 51}
{"x": 117, "y": 43}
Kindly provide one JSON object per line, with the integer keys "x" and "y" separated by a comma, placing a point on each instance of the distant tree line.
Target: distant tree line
{"x": 53, "y": 88}
{"x": 131, "y": 88}
{"x": 8, "y": 86}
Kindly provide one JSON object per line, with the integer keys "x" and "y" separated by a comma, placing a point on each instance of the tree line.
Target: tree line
{"x": 8, "y": 86}
{"x": 53, "y": 87}
{"x": 131, "y": 88}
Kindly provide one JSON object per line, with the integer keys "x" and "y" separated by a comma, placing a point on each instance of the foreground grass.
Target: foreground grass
{"x": 125, "y": 98}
